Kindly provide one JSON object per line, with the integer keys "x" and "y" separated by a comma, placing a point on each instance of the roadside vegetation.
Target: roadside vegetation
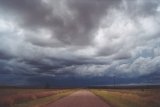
{"x": 130, "y": 98}
{"x": 30, "y": 97}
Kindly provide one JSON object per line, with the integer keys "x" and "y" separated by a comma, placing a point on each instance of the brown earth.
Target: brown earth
{"x": 82, "y": 98}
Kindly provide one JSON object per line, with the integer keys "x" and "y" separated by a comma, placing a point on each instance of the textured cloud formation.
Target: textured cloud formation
{"x": 80, "y": 38}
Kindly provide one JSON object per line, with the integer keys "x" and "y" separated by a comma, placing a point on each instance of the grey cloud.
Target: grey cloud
{"x": 87, "y": 18}
{"x": 33, "y": 12}
{"x": 139, "y": 8}
{"x": 146, "y": 65}
{"x": 78, "y": 28}
{"x": 79, "y": 38}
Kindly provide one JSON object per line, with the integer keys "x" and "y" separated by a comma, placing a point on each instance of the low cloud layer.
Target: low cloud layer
{"x": 79, "y": 38}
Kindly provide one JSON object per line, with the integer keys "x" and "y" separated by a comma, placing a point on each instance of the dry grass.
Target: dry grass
{"x": 42, "y": 102}
{"x": 130, "y": 98}
{"x": 11, "y": 97}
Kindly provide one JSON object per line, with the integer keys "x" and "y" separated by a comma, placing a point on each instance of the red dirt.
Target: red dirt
{"x": 82, "y": 98}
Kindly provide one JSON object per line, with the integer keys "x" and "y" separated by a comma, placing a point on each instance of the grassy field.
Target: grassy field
{"x": 115, "y": 97}
{"x": 130, "y": 98}
{"x": 30, "y": 97}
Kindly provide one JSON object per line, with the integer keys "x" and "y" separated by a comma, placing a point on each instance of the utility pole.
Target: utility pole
{"x": 114, "y": 81}
{"x": 47, "y": 85}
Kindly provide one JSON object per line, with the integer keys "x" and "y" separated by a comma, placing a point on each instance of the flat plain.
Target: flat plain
{"x": 13, "y": 97}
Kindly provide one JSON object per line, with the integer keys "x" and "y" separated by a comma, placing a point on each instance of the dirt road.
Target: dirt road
{"x": 82, "y": 98}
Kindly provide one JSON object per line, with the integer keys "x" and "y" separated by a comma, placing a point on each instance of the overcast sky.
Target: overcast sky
{"x": 78, "y": 38}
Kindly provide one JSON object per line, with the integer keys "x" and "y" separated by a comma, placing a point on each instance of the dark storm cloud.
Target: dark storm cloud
{"x": 33, "y": 12}
{"x": 76, "y": 28}
{"x": 79, "y": 38}
{"x": 86, "y": 18}
{"x": 4, "y": 56}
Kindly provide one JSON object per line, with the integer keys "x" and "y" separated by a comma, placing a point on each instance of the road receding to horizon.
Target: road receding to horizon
{"x": 81, "y": 98}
